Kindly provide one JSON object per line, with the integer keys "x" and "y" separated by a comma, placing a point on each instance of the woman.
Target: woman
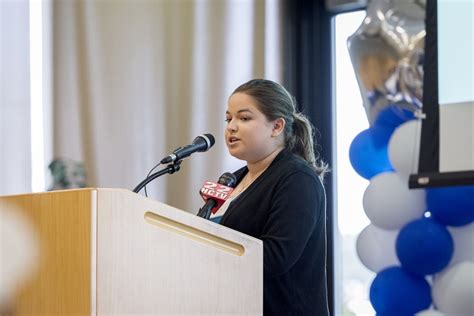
{"x": 279, "y": 197}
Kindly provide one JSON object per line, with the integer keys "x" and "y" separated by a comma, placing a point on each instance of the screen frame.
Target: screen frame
{"x": 428, "y": 164}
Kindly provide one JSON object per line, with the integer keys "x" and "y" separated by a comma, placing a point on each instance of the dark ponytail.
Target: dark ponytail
{"x": 274, "y": 101}
{"x": 301, "y": 143}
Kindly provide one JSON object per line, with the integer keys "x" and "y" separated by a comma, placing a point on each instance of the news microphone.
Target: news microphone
{"x": 215, "y": 194}
{"x": 201, "y": 143}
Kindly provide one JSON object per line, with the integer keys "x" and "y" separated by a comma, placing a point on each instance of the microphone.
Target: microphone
{"x": 215, "y": 194}
{"x": 201, "y": 143}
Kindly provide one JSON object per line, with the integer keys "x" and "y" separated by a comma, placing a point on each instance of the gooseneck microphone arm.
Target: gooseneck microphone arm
{"x": 171, "y": 168}
{"x": 201, "y": 143}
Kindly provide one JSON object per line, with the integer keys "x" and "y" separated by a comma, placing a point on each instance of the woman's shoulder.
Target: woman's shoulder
{"x": 291, "y": 163}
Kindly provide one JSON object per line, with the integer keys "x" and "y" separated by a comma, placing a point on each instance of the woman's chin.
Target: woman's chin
{"x": 235, "y": 153}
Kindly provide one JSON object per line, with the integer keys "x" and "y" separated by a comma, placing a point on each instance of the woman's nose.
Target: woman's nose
{"x": 231, "y": 126}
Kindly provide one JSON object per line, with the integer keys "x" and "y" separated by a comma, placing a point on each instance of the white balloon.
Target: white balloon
{"x": 430, "y": 312}
{"x": 390, "y": 204}
{"x": 453, "y": 289}
{"x": 463, "y": 237}
{"x": 376, "y": 248}
{"x": 404, "y": 147}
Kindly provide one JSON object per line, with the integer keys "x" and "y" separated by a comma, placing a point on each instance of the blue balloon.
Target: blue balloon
{"x": 366, "y": 158}
{"x": 453, "y": 206}
{"x": 396, "y": 291}
{"x": 393, "y": 116}
{"x": 387, "y": 121}
{"x": 381, "y": 135}
{"x": 424, "y": 246}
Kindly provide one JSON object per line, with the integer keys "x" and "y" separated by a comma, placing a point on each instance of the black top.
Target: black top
{"x": 286, "y": 208}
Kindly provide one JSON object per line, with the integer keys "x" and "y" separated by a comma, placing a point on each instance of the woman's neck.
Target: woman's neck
{"x": 257, "y": 167}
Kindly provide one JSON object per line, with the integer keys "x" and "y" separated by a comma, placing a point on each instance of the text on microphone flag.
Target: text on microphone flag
{"x": 215, "y": 190}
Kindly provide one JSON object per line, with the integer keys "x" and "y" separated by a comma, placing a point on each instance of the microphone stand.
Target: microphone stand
{"x": 171, "y": 168}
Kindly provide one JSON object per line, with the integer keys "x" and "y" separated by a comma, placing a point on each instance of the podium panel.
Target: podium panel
{"x": 113, "y": 252}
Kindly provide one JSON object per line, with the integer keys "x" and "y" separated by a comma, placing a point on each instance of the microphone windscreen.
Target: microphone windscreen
{"x": 211, "y": 139}
{"x": 228, "y": 179}
{"x": 204, "y": 141}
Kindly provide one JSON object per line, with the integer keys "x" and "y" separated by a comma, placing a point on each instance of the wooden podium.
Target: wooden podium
{"x": 114, "y": 252}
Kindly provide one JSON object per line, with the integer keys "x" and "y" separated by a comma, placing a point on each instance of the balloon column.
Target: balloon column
{"x": 420, "y": 243}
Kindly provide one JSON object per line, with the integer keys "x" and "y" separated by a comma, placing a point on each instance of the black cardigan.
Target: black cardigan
{"x": 286, "y": 208}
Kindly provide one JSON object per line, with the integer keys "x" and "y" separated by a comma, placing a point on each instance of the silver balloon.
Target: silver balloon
{"x": 387, "y": 55}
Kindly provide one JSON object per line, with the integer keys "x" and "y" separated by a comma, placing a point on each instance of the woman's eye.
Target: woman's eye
{"x": 228, "y": 120}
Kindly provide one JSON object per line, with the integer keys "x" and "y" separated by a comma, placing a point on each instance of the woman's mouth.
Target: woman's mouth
{"x": 232, "y": 140}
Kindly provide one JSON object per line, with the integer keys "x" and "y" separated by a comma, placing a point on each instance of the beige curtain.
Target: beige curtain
{"x": 133, "y": 80}
{"x": 15, "y": 146}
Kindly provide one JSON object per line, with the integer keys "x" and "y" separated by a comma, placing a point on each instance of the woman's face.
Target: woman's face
{"x": 249, "y": 135}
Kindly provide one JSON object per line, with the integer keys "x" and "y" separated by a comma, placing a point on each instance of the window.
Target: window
{"x": 354, "y": 279}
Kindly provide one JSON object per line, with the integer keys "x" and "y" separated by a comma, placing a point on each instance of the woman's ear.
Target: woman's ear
{"x": 278, "y": 126}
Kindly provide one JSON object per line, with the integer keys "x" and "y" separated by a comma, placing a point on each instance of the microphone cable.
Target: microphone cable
{"x": 149, "y": 173}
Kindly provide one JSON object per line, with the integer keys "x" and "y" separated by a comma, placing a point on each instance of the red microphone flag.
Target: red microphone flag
{"x": 216, "y": 191}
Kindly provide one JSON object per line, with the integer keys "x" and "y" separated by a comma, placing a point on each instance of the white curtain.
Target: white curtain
{"x": 133, "y": 80}
{"x": 15, "y": 132}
